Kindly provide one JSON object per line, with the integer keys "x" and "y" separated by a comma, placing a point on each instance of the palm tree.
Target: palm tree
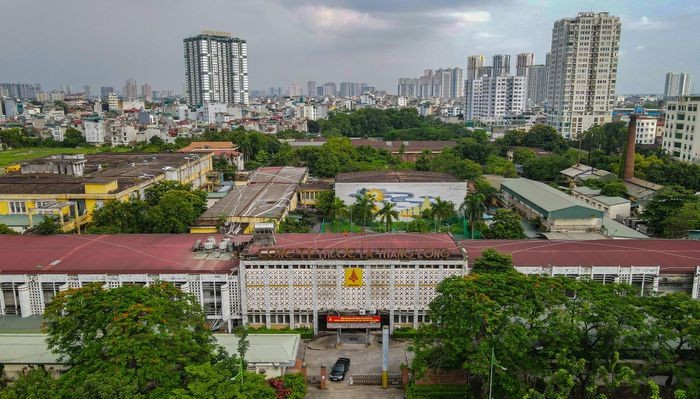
{"x": 442, "y": 210}
{"x": 363, "y": 208}
{"x": 387, "y": 214}
{"x": 473, "y": 209}
{"x": 337, "y": 209}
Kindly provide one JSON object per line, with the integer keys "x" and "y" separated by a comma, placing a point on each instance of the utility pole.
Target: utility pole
{"x": 385, "y": 357}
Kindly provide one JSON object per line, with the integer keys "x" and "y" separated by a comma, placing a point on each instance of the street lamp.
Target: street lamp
{"x": 493, "y": 361}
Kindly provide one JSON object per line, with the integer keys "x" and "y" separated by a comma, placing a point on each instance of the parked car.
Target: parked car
{"x": 340, "y": 368}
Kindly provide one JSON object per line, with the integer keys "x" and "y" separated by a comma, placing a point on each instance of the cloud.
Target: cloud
{"x": 471, "y": 16}
{"x": 640, "y": 48}
{"x": 486, "y": 35}
{"x": 645, "y": 23}
{"x": 338, "y": 19}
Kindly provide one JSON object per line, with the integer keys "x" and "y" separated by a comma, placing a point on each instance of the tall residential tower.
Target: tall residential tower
{"x": 582, "y": 72}
{"x": 524, "y": 60}
{"x": 216, "y": 69}
{"x": 677, "y": 85}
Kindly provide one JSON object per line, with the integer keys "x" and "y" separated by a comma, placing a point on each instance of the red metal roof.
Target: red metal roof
{"x": 361, "y": 241}
{"x": 113, "y": 254}
{"x": 672, "y": 256}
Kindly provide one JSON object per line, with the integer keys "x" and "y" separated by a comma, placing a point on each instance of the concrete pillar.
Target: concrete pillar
{"x": 324, "y": 377}
{"x": 385, "y": 357}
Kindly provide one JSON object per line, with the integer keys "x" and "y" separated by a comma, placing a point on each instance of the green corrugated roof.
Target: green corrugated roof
{"x": 546, "y": 197}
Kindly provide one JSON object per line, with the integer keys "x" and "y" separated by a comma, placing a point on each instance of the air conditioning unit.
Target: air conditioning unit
{"x": 362, "y": 312}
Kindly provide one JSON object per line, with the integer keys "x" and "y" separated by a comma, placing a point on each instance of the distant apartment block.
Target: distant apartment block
{"x": 677, "y": 85}
{"x": 491, "y": 98}
{"x": 680, "y": 139}
{"x": 582, "y": 72}
{"x": 443, "y": 83}
{"x": 216, "y": 69}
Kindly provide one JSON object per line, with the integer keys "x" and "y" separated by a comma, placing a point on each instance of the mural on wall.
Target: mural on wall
{"x": 407, "y": 203}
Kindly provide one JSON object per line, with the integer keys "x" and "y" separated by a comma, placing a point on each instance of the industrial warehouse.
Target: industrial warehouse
{"x": 297, "y": 280}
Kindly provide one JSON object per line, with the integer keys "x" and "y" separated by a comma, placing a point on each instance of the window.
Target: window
{"x": 17, "y": 207}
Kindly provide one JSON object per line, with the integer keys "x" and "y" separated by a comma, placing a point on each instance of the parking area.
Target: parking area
{"x": 363, "y": 359}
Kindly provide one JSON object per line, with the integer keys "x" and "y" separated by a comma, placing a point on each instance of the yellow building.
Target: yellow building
{"x": 309, "y": 192}
{"x": 73, "y": 186}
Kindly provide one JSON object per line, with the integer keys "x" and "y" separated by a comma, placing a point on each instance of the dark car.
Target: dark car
{"x": 340, "y": 368}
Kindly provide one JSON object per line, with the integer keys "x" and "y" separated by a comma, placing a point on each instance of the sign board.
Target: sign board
{"x": 354, "y": 321}
{"x": 353, "y": 277}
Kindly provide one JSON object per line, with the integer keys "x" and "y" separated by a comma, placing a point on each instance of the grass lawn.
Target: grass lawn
{"x": 15, "y": 155}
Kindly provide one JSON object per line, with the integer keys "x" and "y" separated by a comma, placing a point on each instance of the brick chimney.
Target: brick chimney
{"x": 628, "y": 169}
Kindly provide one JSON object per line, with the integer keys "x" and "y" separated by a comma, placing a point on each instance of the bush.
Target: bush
{"x": 438, "y": 391}
{"x": 306, "y": 333}
{"x": 405, "y": 333}
{"x": 296, "y": 383}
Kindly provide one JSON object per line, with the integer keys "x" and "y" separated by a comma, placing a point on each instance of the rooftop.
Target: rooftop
{"x": 361, "y": 242}
{"x": 548, "y": 198}
{"x": 279, "y": 174}
{"x": 114, "y": 254}
{"x": 253, "y": 200}
{"x": 128, "y": 169}
{"x": 394, "y": 176}
{"x": 672, "y": 256}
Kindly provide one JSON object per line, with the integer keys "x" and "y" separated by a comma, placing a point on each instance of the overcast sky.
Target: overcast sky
{"x": 102, "y": 42}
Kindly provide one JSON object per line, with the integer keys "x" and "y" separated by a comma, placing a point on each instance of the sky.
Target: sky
{"x": 104, "y": 43}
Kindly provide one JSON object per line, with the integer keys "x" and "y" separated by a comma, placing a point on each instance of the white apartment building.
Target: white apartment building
{"x": 208, "y": 111}
{"x": 679, "y": 137}
{"x": 490, "y": 98}
{"x": 113, "y": 102}
{"x": 95, "y": 130}
{"x": 122, "y": 134}
{"x": 582, "y": 72}
{"x": 677, "y": 85}
{"x": 216, "y": 69}
{"x": 646, "y": 130}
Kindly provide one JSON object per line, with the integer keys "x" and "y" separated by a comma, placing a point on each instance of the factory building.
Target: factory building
{"x": 306, "y": 280}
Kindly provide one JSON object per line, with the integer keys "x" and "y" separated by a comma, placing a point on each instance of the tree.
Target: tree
{"x": 154, "y": 192}
{"x": 136, "y": 337}
{"x": 663, "y": 206}
{"x": 546, "y": 168}
{"x": 423, "y": 161}
{"x": 473, "y": 209}
{"x": 73, "y": 138}
{"x": 387, "y": 214}
{"x": 363, "y": 208}
{"x": 506, "y": 225}
{"x": 442, "y": 210}
{"x": 34, "y": 383}
{"x": 49, "y": 225}
{"x": 175, "y": 212}
{"x": 337, "y": 209}
{"x": 120, "y": 217}
{"x": 499, "y": 166}
{"x": 6, "y": 230}
{"x": 324, "y": 201}
{"x": 687, "y": 218}
{"x": 672, "y": 330}
{"x": 615, "y": 188}
{"x": 418, "y": 225}
{"x": 493, "y": 261}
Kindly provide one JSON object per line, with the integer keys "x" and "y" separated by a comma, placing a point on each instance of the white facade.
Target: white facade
{"x": 207, "y": 113}
{"x": 133, "y": 104}
{"x": 95, "y": 131}
{"x": 679, "y": 137}
{"x": 677, "y": 85}
{"x": 645, "y": 130}
{"x": 113, "y": 102}
{"x": 582, "y": 72}
{"x": 536, "y": 84}
{"x": 410, "y": 198}
{"x": 58, "y": 132}
{"x": 524, "y": 61}
{"x": 490, "y": 99}
{"x": 122, "y": 134}
{"x": 216, "y": 69}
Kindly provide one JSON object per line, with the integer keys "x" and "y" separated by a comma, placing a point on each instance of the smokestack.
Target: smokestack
{"x": 628, "y": 170}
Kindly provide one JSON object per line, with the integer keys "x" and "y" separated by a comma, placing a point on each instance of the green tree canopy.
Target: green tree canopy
{"x": 493, "y": 261}
{"x": 506, "y": 225}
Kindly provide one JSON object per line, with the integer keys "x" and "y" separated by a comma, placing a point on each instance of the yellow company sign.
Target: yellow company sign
{"x": 353, "y": 277}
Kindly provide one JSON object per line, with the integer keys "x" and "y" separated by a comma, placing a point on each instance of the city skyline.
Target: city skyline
{"x": 330, "y": 41}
